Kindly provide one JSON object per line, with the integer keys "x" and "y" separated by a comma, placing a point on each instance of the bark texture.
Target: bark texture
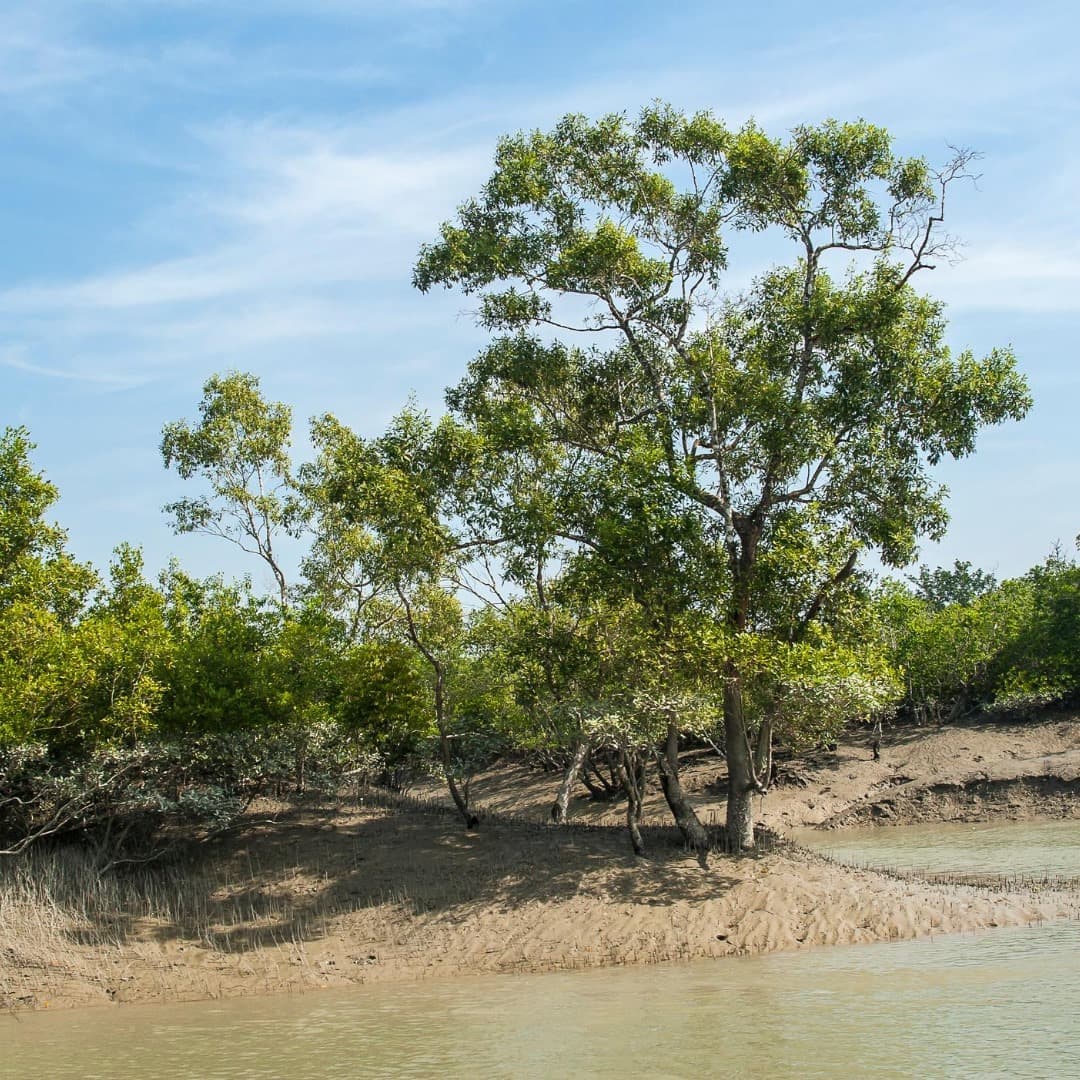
{"x": 667, "y": 759}
{"x": 740, "y": 818}
{"x": 632, "y": 775}
{"x": 560, "y": 807}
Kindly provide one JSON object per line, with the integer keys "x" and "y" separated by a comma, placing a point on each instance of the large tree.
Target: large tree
{"x": 789, "y": 420}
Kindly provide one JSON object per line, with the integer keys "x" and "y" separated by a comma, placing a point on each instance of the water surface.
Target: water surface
{"x": 1012, "y": 848}
{"x": 1002, "y": 1004}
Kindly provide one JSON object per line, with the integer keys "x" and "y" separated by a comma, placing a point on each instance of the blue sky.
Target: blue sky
{"x": 189, "y": 188}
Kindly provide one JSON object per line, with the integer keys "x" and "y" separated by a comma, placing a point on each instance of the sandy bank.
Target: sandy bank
{"x": 342, "y": 894}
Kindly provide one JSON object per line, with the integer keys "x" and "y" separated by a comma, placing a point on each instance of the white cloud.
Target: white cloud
{"x": 13, "y": 359}
{"x": 1017, "y": 275}
{"x": 41, "y": 57}
{"x": 305, "y": 239}
{"x": 299, "y": 211}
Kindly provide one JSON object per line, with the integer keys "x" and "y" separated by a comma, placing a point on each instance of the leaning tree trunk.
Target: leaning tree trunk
{"x": 461, "y": 800}
{"x": 742, "y": 775}
{"x": 694, "y": 833}
{"x": 561, "y": 805}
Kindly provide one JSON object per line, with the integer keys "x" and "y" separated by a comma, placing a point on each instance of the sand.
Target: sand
{"x": 345, "y": 892}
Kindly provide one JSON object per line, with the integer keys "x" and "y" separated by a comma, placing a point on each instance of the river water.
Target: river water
{"x": 1025, "y": 849}
{"x": 1000, "y": 1004}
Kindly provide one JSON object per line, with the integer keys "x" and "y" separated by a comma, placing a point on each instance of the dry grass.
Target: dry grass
{"x": 389, "y": 879}
{"x": 64, "y": 923}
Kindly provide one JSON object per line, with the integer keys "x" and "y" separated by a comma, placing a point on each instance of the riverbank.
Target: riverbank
{"x": 344, "y": 893}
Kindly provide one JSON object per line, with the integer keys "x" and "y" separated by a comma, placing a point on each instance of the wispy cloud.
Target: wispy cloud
{"x": 1021, "y": 276}
{"x": 284, "y": 167}
{"x": 12, "y": 358}
{"x": 304, "y": 235}
{"x": 42, "y": 56}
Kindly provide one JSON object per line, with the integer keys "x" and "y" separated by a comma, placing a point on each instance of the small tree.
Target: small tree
{"x": 239, "y": 448}
{"x": 963, "y": 584}
{"x": 35, "y": 566}
{"x": 387, "y": 506}
{"x": 1042, "y": 661}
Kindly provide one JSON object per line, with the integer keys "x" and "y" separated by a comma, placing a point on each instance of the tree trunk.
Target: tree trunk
{"x": 461, "y": 801}
{"x": 561, "y": 805}
{"x": 601, "y": 787}
{"x": 740, "y": 820}
{"x": 301, "y": 772}
{"x": 763, "y": 757}
{"x": 686, "y": 818}
{"x": 597, "y": 793}
{"x": 740, "y": 817}
{"x": 633, "y": 781}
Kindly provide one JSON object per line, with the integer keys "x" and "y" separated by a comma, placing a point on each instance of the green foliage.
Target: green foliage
{"x": 1044, "y": 661}
{"x": 811, "y": 690}
{"x": 963, "y": 584}
{"x": 239, "y": 449}
{"x": 1006, "y": 646}
{"x": 35, "y": 568}
{"x": 122, "y": 654}
{"x": 43, "y": 591}
{"x": 811, "y": 390}
{"x": 216, "y": 681}
{"x": 33, "y": 648}
{"x": 951, "y": 656}
{"x": 578, "y": 665}
{"x": 386, "y": 702}
{"x": 766, "y": 437}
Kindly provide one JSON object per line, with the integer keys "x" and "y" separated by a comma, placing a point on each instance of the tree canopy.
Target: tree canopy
{"x": 787, "y": 423}
{"x": 240, "y": 449}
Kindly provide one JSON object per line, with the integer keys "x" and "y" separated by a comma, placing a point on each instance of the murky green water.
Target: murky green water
{"x": 1002, "y": 1004}
{"x": 1025, "y": 849}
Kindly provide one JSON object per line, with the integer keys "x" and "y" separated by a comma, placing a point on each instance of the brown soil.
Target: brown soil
{"x": 345, "y": 893}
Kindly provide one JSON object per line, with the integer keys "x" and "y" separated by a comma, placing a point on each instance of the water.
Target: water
{"x": 1026, "y": 849}
{"x": 1001, "y": 1004}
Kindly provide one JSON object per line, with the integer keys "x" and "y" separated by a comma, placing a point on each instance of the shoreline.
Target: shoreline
{"x": 339, "y": 894}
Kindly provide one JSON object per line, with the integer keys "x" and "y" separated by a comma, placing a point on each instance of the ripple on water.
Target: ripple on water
{"x": 997, "y": 1004}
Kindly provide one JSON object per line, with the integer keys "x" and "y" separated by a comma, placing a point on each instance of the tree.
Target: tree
{"x": 218, "y": 683}
{"x": 387, "y": 551}
{"x": 385, "y": 706}
{"x": 811, "y": 403}
{"x": 43, "y": 590}
{"x": 1042, "y": 659}
{"x": 953, "y": 656}
{"x": 963, "y": 584}
{"x": 239, "y": 448}
{"x": 35, "y": 567}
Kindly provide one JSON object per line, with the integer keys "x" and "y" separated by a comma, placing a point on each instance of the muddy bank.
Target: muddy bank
{"x": 973, "y": 800}
{"x": 345, "y": 893}
{"x": 922, "y": 772}
{"x": 348, "y": 897}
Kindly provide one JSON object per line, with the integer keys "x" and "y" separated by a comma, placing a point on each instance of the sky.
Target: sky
{"x": 190, "y": 188}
